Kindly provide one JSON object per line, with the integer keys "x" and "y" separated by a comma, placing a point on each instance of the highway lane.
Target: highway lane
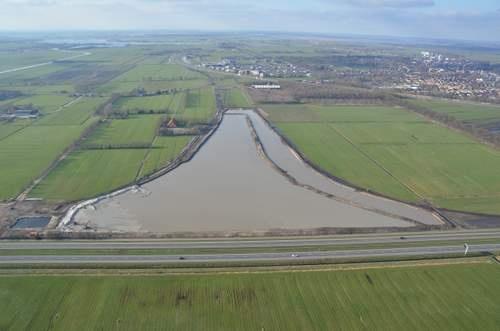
{"x": 149, "y": 259}
{"x": 251, "y": 243}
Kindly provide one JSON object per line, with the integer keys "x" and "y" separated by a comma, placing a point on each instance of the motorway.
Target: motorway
{"x": 148, "y": 259}
{"x": 433, "y": 243}
{"x": 253, "y": 243}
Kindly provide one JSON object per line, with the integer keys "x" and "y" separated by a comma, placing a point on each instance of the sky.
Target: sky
{"x": 449, "y": 19}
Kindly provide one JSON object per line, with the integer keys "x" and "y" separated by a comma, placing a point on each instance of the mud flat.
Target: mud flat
{"x": 230, "y": 187}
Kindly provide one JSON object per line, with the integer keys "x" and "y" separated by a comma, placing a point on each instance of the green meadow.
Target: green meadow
{"x": 421, "y": 297}
{"x": 395, "y": 152}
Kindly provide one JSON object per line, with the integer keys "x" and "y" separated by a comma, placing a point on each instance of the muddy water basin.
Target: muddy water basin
{"x": 31, "y": 222}
{"x": 231, "y": 187}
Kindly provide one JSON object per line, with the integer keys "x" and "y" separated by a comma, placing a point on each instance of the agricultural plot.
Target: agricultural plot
{"x": 315, "y": 113}
{"x": 158, "y": 72}
{"x": 27, "y": 153}
{"x": 22, "y": 58}
{"x": 447, "y": 297}
{"x": 200, "y": 106}
{"x": 31, "y": 75}
{"x": 75, "y": 113}
{"x": 476, "y": 113}
{"x": 45, "y": 103}
{"x": 330, "y": 151}
{"x": 151, "y": 86}
{"x": 138, "y": 130}
{"x": 155, "y": 77}
{"x": 7, "y": 129}
{"x": 84, "y": 174}
{"x": 156, "y": 103}
{"x": 398, "y": 155}
{"x": 236, "y": 98}
{"x": 33, "y": 90}
{"x": 163, "y": 151}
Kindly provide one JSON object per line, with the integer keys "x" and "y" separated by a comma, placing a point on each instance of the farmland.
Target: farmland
{"x": 119, "y": 137}
{"x": 87, "y": 173}
{"x": 134, "y": 130}
{"x": 395, "y": 152}
{"x": 158, "y": 72}
{"x": 75, "y": 113}
{"x": 199, "y": 108}
{"x": 375, "y": 298}
{"x": 28, "y": 152}
{"x": 468, "y": 112}
{"x": 162, "y": 152}
{"x": 153, "y": 77}
{"x": 157, "y": 103}
{"x": 45, "y": 102}
{"x": 236, "y": 98}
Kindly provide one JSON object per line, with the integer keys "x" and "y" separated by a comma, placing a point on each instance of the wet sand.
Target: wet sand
{"x": 228, "y": 187}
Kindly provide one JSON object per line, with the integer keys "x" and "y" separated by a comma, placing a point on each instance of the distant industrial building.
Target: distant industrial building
{"x": 267, "y": 86}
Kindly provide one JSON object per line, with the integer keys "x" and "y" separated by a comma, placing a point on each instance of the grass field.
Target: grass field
{"x": 157, "y": 103}
{"x": 164, "y": 150}
{"x": 27, "y": 153}
{"x": 75, "y": 113}
{"x": 439, "y": 297}
{"x": 463, "y": 111}
{"x": 28, "y": 147}
{"x": 139, "y": 129}
{"x": 7, "y": 129}
{"x": 395, "y": 152}
{"x": 199, "y": 107}
{"x": 236, "y": 98}
{"x": 84, "y": 174}
{"x": 46, "y": 103}
{"x": 158, "y": 72}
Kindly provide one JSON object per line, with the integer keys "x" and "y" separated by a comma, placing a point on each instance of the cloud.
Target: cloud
{"x": 391, "y": 3}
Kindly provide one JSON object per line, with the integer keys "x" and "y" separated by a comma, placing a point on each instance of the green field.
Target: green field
{"x": 434, "y": 297}
{"x": 164, "y": 150}
{"x": 29, "y": 147}
{"x": 395, "y": 152}
{"x": 84, "y": 174}
{"x": 463, "y": 111}
{"x": 154, "y": 77}
{"x": 236, "y": 98}
{"x": 158, "y": 72}
{"x": 75, "y": 113}
{"x": 27, "y": 153}
{"x": 134, "y": 130}
{"x": 46, "y": 103}
{"x": 157, "y": 103}
{"x": 199, "y": 107}
{"x": 7, "y": 129}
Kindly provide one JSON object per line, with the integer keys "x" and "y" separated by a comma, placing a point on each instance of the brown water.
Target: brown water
{"x": 229, "y": 187}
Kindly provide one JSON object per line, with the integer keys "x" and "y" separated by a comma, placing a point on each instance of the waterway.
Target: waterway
{"x": 231, "y": 187}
